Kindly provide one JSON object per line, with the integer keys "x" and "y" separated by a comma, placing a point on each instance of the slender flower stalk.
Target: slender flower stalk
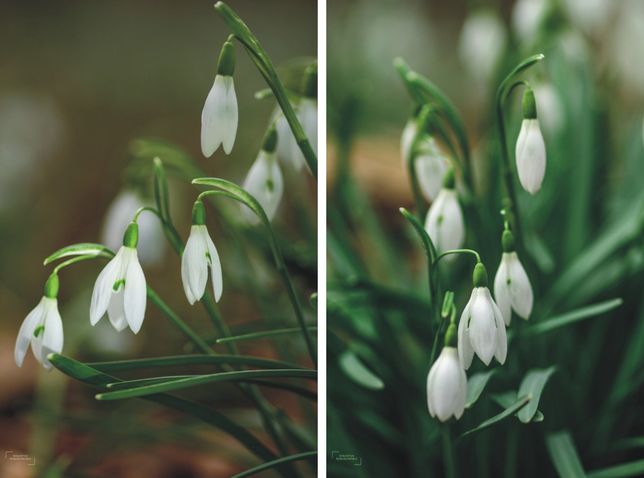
{"x": 200, "y": 254}
{"x": 512, "y": 289}
{"x": 220, "y": 114}
{"x": 264, "y": 180}
{"x": 446, "y": 381}
{"x": 530, "y": 149}
{"x": 481, "y": 329}
{"x": 444, "y": 223}
{"x": 42, "y": 328}
{"x": 120, "y": 289}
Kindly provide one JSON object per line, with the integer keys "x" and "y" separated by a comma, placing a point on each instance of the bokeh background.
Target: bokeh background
{"x": 80, "y": 82}
{"x": 584, "y": 241}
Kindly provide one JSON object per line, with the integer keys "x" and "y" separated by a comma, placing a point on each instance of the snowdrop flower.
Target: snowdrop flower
{"x": 286, "y": 146}
{"x": 446, "y": 382}
{"x": 530, "y": 149}
{"x": 483, "y": 40}
{"x": 527, "y": 17}
{"x": 431, "y": 166}
{"x": 42, "y": 328}
{"x": 512, "y": 289}
{"x": 120, "y": 289}
{"x": 264, "y": 180}
{"x": 407, "y": 138}
{"x": 307, "y": 113}
{"x": 118, "y": 216}
{"x": 481, "y": 329}
{"x": 199, "y": 254}
{"x": 444, "y": 222}
{"x": 219, "y": 116}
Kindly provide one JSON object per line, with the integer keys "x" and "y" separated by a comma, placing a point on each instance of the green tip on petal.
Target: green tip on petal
{"x": 529, "y": 105}
{"x": 198, "y": 213}
{"x": 479, "y": 276}
{"x": 270, "y": 140}
{"x": 449, "y": 180}
{"x": 226, "y": 64}
{"x": 310, "y": 82}
{"x": 507, "y": 241}
{"x": 131, "y": 236}
{"x": 451, "y": 336}
{"x": 52, "y": 286}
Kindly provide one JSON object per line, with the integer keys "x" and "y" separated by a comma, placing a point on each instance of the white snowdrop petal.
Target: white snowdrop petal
{"x": 501, "y": 351}
{"x": 444, "y": 223}
{"x": 430, "y": 389}
{"x": 215, "y": 267}
{"x": 231, "y": 116}
{"x": 103, "y": 287}
{"x": 212, "y": 129}
{"x": 52, "y": 335}
{"x": 530, "y": 156}
{"x": 135, "y": 293}
{"x": 187, "y": 259}
{"x": 465, "y": 351}
{"x": 116, "y": 311}
{"x": 265, "y": 183}
{"x": 482, "y": 326}
{"x": 462, "y": 395}
{"x": 520, "y": 289}
{"x": 502, "y": 290}
{"x": 197, "y": 262}
{"x": 26, "y": 332}
{"x": 308, "y": 114}
{"x": 430, "y": 170}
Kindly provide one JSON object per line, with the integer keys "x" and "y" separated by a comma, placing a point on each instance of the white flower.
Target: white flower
{"x": 482, "y": 43}
{"x": 446, "y": 386}
{"x": 287, "y": 148}
{"x": 120, "y": 289}
{"x": 265, "y": 183}
{"x": 431, "y": 165}
{"x": 199, "y": 254}
{"x": 307, "y": 112}
{"x": 43, "y": 329}
{"x": 406, "y": 139}
{"x": 219, "y": 117}
{"x": 481, "y": 329}
{"x": 551, "y": 114}
{"x": 512, "y": 289}
{"x": 527, "y": 16}
{"x": 531, "y": 155}
{"x": 119, "y": 214}
{"x": 444, "y": 222}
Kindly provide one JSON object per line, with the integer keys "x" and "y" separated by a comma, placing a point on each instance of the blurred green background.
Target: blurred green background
{"x": 584, "y": 232}
{"x": 79, "y": 81}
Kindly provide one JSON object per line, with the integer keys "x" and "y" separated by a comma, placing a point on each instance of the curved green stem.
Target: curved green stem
{"x": 265, "y": 66}
{"x": 71, "y": 261}
{"x": 459, "y": 251}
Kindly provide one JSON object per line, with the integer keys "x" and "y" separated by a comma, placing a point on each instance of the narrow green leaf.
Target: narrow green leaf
{"x": 428, "y": 245}
{"x": 81, "y": 249}
{"x": 272, "y": 464}
{"x": 264, "y": 334}
{"x": 508, "y": 398}
{"x": 448, "y": 301}
{"x": 518, "y": 405}
{"x": 91, "y": 376}
{"x": 193, "y": 381}
{"x": 564, "y": 455}
{"x": 574, "y": 316}
{"x": 161, "y": 195}
{"x": 633, "y": 468}
{"x": 475, "y": 385}
{"x": 179, "y": 360}
{"x": 532, "y": 386}
{"x": 353, "y": 367}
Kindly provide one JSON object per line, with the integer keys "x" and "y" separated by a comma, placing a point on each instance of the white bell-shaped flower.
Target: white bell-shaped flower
{"x": 286, "y": 144}
{"x": 431, "y": 166}
{"x": 42, "y": 328}
{"x": 200, "y": 254}
{"x": 512, "y": 289}
{"x": 220, "y": 114}
{"x": 307, "y": 112}
{"x": 264, "y": 180}
{"x": 444, "y": 223}
{"x": 481, "y": 329}
{"x": 531, "y": 149}
{"x": 446, "y": 382}
{"x": 407, "y": 138}
{"x": 483, "y": 40}
{"x": 120, "y": 289}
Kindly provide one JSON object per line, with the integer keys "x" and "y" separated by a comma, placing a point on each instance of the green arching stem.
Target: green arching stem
{"x": 459, "y": 251}
{"x": 505, "y": 88}
{"x": 265, "y": 66}
{"x": 143, "y": 209}
{"x": 71, "y": 261}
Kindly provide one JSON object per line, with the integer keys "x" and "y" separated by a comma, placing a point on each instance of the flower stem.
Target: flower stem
{"x": 265, "y": 66}
{"x": 448, "y": 453}
{"x": 458, "y": 251}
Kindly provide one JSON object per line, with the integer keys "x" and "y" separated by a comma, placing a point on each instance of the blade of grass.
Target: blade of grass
{"x": 518, "y": 405}
{"x": 573, "y": 316}
{"x": 264, "y": 334}
{"x": 271, "y": 464}
{"x": 633, "y": 468}
{"x": 532, "y": 386}
{"x": 564, "y": 455}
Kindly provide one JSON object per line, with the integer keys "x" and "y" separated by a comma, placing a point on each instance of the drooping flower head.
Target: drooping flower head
{"x": 446, "y": 382}
{"x": 220, "y": 115}
{"x": 407, "y": 138}
{"x": 42, "y": 328}
{"x": 120, "y": 289}
{"x": 531, "y": 149}
{"x": 431, "y": 167}
{"x": 444, "y": 223}
{"x": 512, "y": 289}
{"x": 264, "y": 180}
{"x": 200, "y": 254}
{"x": 481, "y": 329}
